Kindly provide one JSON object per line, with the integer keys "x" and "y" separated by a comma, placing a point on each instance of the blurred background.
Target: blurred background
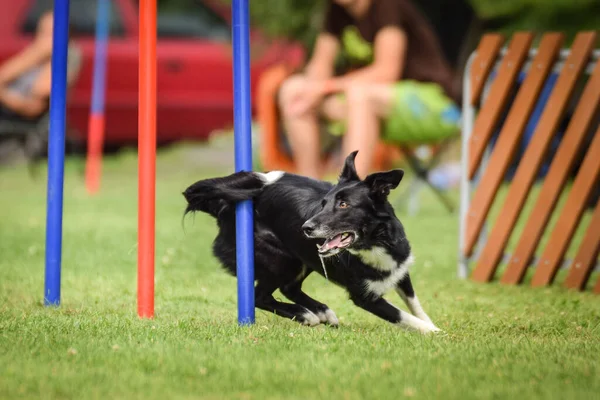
{"x": 194, "y": 53}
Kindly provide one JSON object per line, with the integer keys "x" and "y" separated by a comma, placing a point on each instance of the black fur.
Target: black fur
{"x": 292, "y": 208}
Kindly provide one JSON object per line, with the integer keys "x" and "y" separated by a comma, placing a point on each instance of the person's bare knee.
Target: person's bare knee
{"x": 358, "y": 93}
{"x": 334, "y": 108}
{"x": 377, "y": 97}
{"x": 289, "y": 89}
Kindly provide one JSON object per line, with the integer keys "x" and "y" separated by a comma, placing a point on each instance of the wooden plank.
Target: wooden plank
{"x": 496, "y": 101}
{"x": 586, "y": 257}
{"x": 537, "y": 149}
{"x": 483, "y": 62}
{"x": 585, "y": 182}
{"x": 510, "y": 137}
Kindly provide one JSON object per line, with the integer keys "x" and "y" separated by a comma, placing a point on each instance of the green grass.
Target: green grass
{"x": 500, "y": 342}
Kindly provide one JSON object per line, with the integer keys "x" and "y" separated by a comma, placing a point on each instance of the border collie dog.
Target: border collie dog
{"x": 347, "y": 232}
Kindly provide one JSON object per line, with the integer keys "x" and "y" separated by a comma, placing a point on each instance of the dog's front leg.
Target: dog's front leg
{"x": 294, "y": 292}
{"x": 383, "y": 309}
{"x": 404, "y": 288}
{"x": 266, "y": 301}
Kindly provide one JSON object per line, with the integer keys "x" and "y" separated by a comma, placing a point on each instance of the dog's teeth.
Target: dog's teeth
{"x": 344, "y": 236}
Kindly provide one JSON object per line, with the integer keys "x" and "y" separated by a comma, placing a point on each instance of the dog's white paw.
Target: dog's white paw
{"x": 412, "y": 323}
{"x": 329, "y": 317}
{"x": 310, "y": 319}
{"x": 434, "y": 330}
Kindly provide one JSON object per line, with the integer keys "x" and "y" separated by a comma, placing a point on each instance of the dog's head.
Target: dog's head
{"x": 354, "y": 214}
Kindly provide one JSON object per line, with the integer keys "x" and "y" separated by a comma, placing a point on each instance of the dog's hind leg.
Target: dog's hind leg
{"x": 405, "y": 289}
{"x": 266, "y": 301}
{"x": 293, "y": 291}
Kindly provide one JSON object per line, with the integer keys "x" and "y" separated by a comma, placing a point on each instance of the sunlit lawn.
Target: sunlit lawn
{"x": 500, "y": 342}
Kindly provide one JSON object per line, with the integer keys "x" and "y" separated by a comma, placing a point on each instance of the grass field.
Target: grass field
{"x": 500, "y": 342}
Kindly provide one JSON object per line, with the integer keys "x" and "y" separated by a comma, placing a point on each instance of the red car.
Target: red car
{"x": 194, "y": 65}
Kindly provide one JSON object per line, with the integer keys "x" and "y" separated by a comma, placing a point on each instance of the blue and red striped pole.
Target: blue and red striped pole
{"x": 93, "y": 170}
{"x": 56, "y": 153}
{"x": 243, "y": 159}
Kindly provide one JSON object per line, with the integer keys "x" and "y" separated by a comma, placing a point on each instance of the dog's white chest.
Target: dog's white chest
{"x": 378, "y": 258}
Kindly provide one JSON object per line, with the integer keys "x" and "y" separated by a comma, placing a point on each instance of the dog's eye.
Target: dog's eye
{"x": 323, "y": 203}
{"x": 343, "y": 204}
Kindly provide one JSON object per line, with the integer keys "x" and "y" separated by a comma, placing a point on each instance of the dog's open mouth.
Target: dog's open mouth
{"x": 339, "y": 241}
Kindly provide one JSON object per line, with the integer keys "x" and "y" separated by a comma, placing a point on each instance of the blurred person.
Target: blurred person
{"x": 400, "y": 83}
{"x": 25, "y": 78}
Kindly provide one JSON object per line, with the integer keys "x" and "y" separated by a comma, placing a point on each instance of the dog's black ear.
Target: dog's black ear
{"x": 381, "y": 183}
{"x": 349, "y": 170}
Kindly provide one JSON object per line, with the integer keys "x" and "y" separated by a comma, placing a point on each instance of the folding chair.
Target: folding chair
{"x": 27, "y": 134}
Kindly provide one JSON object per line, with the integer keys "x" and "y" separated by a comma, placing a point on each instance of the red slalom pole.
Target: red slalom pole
{"x": 93, "y": 167}
{"x": 146, "y": 157}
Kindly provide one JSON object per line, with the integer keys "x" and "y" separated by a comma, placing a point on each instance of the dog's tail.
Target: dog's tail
{"x": 212, "y": 196}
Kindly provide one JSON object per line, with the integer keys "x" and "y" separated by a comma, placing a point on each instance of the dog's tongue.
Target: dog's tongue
{"x": 332, "y": 243}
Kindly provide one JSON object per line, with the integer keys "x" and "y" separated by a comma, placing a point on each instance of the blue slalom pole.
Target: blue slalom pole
{"x": 243, "y": 158}
{"x": 56, "y": 152}
{"x": 102, "y": 31}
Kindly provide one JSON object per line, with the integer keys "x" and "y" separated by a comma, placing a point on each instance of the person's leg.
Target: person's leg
{"x": 302, "y": 130}
{"x": 334, "y": 110}
{"x": 367, "y": 105}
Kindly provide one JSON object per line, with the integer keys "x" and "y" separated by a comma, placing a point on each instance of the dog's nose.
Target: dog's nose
{"x": 308, "y": 228}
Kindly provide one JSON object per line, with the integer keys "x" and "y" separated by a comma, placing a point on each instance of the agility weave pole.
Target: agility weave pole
{"x": 146, "y": 149}
{"x": 243, "y": 159}
{"x": 56, "y": 153}
{"x": 93, "y": 167}
{"x": 147, "y": 159}
{"x": 485, "y": 167}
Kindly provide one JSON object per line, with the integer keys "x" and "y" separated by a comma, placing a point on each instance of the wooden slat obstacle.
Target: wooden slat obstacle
{"x": 522, "y": 97}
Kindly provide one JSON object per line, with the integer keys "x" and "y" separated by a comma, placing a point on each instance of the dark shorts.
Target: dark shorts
{"x": 9, "y": 115}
